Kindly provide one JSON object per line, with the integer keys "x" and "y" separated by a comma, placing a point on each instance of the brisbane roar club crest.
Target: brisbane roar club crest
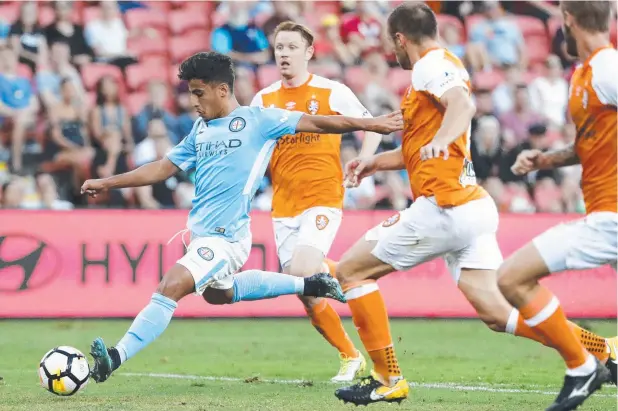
{"x": 321, "y": 221}
{"x": 313, "y": 106}
{"x": 392, "y": 220}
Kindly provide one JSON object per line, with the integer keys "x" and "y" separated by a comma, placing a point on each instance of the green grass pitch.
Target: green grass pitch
{"x": 283, "y": 364}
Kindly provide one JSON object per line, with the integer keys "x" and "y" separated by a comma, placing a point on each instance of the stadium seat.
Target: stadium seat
{"x": 91, "y": 74}
{"x": 530, "y": 26}
{"x": 173, "y": 75}
{"x": 9, "y": 12}
{"x": 444, "y": 19}
{"x": 399, "y": 80}
{"x": 145, "y": 46}
{"x": 537, "y": 49}
{"x": 136, "y": 102}
{"x": 329, "y": 70}
{"x": 326, "y": 7}
{"x": 355, "y": 78}
{"x": 267, "y": 75}
{"x": 46, "y": 15}
{"x": 487, "y": 80}
{"x": 183, "y": 20}
{"x": 139, "y": 75}
{"x": 186, "y": 45}
{"x": 553, "y": 24}
{"x": 471, "y": 21}
{"x": 160, "y": 6}
{"x": 145, "y": 18}
{"x": 155, "y": 60}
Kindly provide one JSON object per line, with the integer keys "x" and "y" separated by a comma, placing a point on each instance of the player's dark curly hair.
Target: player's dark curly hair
{"x": 208, "y": 66}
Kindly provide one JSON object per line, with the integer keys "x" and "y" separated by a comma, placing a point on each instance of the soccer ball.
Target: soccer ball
{"x": 64, "y": 371}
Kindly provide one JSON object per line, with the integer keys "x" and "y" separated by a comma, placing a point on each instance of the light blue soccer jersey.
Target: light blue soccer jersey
{"x": 230, "y": 156}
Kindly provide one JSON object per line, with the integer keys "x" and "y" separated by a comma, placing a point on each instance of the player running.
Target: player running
{"x": 589, "y": 242}
{"x": 229, "y": 146}
{"x": 451, "y": 217}
{"x": 308, "y": 180}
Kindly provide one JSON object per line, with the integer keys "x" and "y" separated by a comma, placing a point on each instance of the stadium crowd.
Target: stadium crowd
{"x": 89, "y": 89}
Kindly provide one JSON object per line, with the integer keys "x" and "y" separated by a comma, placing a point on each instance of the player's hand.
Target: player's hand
{"x": 388, "y": 123}
{"x": 526, "y": 162}
{"x": 357, "y": 169}
{"x": 434, "y": 150}
{"x": 93, "y": 187}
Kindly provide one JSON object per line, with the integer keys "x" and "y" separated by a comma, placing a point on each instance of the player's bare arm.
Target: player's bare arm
{"x": 361, "y": 167}
{"x": 386, "y": 124}
{"x": 459, "y": 110}
{"x": 530, "y": 160}
{"x": 371, "y": 142}
{"x": 145, "y": 175}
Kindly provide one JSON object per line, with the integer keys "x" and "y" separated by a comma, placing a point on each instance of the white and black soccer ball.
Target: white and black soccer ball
{"x": 64, "y": 371}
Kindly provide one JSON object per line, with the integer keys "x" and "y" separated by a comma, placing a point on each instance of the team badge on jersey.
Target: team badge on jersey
{"x": 313, "y": 106}
{"x": 206, "y": 253}
{"x": 237, "y": 124}
{"x": 321, "y": 221}
{"x": 392, "y": 220}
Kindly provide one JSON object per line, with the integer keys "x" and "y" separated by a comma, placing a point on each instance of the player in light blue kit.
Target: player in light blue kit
{"x": 229, "y": 147}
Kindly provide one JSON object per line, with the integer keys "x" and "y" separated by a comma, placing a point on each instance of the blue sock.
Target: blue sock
{"x": 254, "y": 285}
{"x": 147, "y": 326}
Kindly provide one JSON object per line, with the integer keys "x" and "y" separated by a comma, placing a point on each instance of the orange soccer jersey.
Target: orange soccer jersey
{"x": 306, "y": 168}
{"x": 592, "y": 103}
{"x": 452, "y": 182}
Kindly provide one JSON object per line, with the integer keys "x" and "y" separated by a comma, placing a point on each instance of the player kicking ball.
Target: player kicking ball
{"x": 229, "y": 147}
{"x": 308, "y": 180}
{"x": 451, "y": 217}
{"x": 589, "y": 242}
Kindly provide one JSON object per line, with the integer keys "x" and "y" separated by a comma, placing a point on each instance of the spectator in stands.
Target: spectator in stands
{"x": 110, "y": 113}
{"x": 519, "y": 120}
{"x": 501, "y": 37}
{"x": 38, "y": 192}
{"x": 64, "y": 30}
{"x": 108, "y": 35}
{"x": 5, "y": 28}
{"x": 27, "y": 38}
{"x": 333, "y": 44}
{"x": 558, "y": 47}
{"x": 363, "y": 196}
{"x": 18, "y": 105}
{"x": 504, "y": 95}
{"x": 363, "y": 30}
{"x": 241, "y": 39}
{"x": 377, "y": 93}
{"x": 155, "y": 108}
{"x": 282, "y": 11}
{"x": 68, "y": 142}
{"x": 47, "y": 194}
{"x": 473, "y": 54}
{"x": 110, "y": 159}
{"x": 486, "y": 148}
{"x": 186, "y": 112}
{"x": 50, "y": 76}
{"x": 244, "y": 87}
{"x": 13, "y": 193}
{"x": 176, "y": 191}
{"x": 549, "y": 94}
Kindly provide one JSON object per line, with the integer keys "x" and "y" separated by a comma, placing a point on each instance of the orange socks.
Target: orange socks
{"x": 544, "y": 315}
{"x": 326, "y": 320}
{"x": 371, "y": 320}
{"x": 593, "y": 343}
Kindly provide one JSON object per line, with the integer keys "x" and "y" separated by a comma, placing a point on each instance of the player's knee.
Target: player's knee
{"x": 176, "y": 284}
{"x": 218, "y": 297}
{"x": 345, "y": 271}
{"x": 507, "y": 280}
{"x": 493, "y": 322}
{"x": 302, "y": 270}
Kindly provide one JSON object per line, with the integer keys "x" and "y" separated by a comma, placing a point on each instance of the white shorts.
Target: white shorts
{"x": 465, "y": 236}
{"x": 212, "y": 261}
{"x": 315, "y": 227}
{"x": 588, "y": 242}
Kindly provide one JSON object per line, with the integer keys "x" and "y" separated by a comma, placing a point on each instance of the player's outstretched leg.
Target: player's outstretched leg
{"x": 518, "y": 281}
{"x": 146, "y": 327}
{"x": 481, "y": 289}
{"x": 357, "y": 273}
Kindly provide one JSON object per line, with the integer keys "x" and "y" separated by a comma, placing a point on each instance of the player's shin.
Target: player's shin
{"x": 254, "y": 285}
{"x": 371, "y": 320}
{"x": 594, "y": 344}
{"x": 147, "y": 326}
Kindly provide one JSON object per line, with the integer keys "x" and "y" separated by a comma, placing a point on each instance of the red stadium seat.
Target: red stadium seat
{"x": 155, "y": 60}
{"x": 530, "y": 26}
{"x": 173, "y": 75}
{"x": 145, "y": 18}
{"x": 136, "y": 102}
{"x": 9, "y": 12}
{"x": 537, "y": 49}
{"x": 267, "y": 75}
{"x": 444, "y": 19}
{"x": 326, "y": 69}
{"x": 183, "y": 20}
{"x": 91, "y": 74}
{"x": 326, "y": 7}
{"x": 553, "y": 24}
{"x": 355, "y": 78}
{"x": 487, "y": 80}
{"x": 399, "y": 80}
{"x": 146, "y": 46}
{"x": 139, "y": 75}
{"x": 184, "y": 46}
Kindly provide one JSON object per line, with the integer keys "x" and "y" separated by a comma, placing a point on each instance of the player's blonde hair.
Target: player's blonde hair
{"x": 305, "y": 32}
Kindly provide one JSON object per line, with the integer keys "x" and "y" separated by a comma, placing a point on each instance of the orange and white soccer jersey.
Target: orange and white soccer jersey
{"x": 451, "y": 217}
{"x": 591, "y": 241}
{"x": 305, "y": 168}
